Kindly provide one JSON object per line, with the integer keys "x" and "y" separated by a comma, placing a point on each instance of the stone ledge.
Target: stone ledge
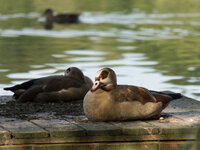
{"x": 178, "y": 126}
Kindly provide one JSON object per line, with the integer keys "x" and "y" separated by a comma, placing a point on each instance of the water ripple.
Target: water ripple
{"x": 30, "y": 15}
{"x": 142, "y": 34}
{"x": 85, "y": 52}
{"x": 134, "y": 18}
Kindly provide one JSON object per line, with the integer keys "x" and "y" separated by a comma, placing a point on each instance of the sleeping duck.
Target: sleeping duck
{"x": 73, "y": 85}
{"x": 107, "y": 101}
{"x": 61, "y": 18}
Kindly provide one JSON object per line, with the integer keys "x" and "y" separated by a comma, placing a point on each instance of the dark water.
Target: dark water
{"x": 154, "y": 44}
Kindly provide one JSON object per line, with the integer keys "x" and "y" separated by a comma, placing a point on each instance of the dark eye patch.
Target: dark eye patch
{"x": 68, "y": 70}
{"x": 104, "y": 74}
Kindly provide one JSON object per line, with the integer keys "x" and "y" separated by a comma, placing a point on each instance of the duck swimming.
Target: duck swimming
{"x": 61, "y": 18}
{"x": 107, "y": 101}
{"x": 73, "y": 85}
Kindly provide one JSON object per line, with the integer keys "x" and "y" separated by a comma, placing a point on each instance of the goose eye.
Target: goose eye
{"x": 68, "y": 70}
{"x": 104, "y": 74}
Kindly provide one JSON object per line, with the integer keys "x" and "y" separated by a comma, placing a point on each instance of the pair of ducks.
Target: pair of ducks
{"x": 103, "y": 101}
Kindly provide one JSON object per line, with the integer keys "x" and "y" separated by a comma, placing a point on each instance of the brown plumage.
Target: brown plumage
{"x": 108, "y": 101}
{"x": 73, "y": 85}
{"x": 64, "y": 18}
{"x": 61, "y": 18}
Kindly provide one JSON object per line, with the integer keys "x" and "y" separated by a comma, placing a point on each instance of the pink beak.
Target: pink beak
{"x": 95, "y": 86}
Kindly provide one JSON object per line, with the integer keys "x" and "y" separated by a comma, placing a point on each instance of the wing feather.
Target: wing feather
{"x": 59, "y": 83}
{"x": 132, "y": 93}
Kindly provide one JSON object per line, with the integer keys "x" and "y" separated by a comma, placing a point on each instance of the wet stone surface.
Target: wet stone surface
{"x": 73, "y": 111}
{"x": 9, "y": 108}
{"x": 34, "y": 123}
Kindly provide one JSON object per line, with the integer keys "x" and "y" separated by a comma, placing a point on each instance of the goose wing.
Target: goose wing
{"x": 132, "y": 93}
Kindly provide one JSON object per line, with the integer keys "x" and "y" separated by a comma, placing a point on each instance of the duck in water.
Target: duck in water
{"x": 59, "y": 18}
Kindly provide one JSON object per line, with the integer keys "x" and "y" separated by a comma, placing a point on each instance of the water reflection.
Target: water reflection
{"x": 30, "y": 15}
{"x": 146, "y": 43}
{"x": 142, "y": 34}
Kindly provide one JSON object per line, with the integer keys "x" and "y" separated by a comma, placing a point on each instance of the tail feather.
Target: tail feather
{"x": 171, "y": 94}
{"x": 8, "y": 88}
{"x": 175, "y": 95}
{"x": 24, "y": 85}
{"x": 13, "y": 88}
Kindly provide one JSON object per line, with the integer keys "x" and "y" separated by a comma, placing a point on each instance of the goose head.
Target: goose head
{"x": 105, "y": 79}
{"x": 75, "y": 73}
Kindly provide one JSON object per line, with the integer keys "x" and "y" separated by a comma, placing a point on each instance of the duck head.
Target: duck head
{"x": 74, "y": 72}
{"x": 105, "y": 79}
{"x": 48, "y": 12}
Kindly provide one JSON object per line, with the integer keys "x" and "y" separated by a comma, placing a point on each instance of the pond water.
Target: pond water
{"x": 153, "y": 44}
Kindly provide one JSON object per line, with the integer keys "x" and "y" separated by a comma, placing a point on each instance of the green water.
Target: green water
{"x": 109, "y": 146}
{"x": 154, "y": 44}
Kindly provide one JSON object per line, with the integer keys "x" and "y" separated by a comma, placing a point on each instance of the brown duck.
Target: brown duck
{"x": 73, "y": 85}
{"x": 61, "y": 18}
{"x": 107, "y": 101}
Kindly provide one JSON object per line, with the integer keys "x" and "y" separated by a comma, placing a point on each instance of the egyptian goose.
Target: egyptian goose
{"x": 73, "y": 85}
{"x": 107, "y": 101}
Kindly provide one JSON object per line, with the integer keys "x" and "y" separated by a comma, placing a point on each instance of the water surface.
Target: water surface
{"x": 154, "y": 44}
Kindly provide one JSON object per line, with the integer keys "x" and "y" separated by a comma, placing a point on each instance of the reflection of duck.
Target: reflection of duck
{"x": 73, "y": 85}
{"x": 108, "y": 101}
{"x": 59, "y": 18}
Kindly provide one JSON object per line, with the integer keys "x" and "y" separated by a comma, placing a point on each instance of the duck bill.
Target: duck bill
{"x": 95, "y": 86}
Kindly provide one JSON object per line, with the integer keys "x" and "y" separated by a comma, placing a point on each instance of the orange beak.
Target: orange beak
{"x": 95, "y": 86}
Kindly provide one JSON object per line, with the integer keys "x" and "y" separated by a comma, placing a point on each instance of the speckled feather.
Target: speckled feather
{"x": 131, "y": 93}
